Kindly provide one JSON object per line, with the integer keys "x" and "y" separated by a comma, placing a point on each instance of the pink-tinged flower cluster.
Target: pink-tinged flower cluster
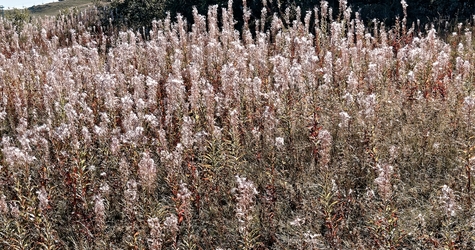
{"x": 383, "y": 181}
{"x": 448, "y": 201}
{"x": 156, "y": 235}
{"x": 245, "y": 195}
{"x": 147, "y": 171}
{"x": 101, "y": 128}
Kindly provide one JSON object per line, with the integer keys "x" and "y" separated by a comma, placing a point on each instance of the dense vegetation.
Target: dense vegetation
{"x": 138, "y": 13}
{"x": 311, "y": 132}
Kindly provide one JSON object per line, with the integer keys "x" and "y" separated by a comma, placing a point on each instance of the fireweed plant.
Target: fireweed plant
{"x": 316, "y": 133}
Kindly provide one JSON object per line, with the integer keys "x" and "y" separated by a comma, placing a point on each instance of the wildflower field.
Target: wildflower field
{"x": 305, "y": 132}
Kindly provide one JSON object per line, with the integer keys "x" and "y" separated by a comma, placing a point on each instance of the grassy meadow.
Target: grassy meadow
{"x": 310, "y": 133}
{"x": 55, "y": 8}
{"x": 51, "y": 9}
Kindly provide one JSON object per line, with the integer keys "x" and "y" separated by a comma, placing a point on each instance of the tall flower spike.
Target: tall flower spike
{"x": 245, "y": 195}
{"x": 383, "y": 181}
{"x": 130, "y": 196}
{"x": 43, "y": 199}
{"x": 3, "y": 205}
{"x": 448, "y": 201}
{"x": 171, "y": 223}
{"x": 147, "y": 170}
{"x": 100, "y": 211}
{"x": 155, "y": 240}
{"x": 325, "y": 139}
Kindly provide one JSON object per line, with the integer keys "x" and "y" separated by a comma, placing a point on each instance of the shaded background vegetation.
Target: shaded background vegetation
{"x": 140, "y": 13}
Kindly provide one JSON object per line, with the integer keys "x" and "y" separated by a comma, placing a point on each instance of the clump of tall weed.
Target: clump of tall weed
{"x": 319, "y": 133}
